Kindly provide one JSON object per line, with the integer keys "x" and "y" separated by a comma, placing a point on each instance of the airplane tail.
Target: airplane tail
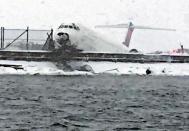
{"x": 131, "y": 28}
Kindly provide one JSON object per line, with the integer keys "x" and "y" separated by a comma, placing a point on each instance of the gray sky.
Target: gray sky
{"x": 45, "y": 13}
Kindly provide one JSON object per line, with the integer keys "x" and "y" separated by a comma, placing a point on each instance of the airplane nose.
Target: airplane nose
{"x": 63, "y": 35}
{"x": 60, "y": 33}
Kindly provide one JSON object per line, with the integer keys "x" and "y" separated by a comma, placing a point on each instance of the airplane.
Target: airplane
{"x": 87, "y": 39}
{"x": 90, "y": 41}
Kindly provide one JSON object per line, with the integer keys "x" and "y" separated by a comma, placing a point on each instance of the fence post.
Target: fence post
{"x": 27, "y": 46}
{"x": 51, "y": 34}
{"x": 3, "y": 37}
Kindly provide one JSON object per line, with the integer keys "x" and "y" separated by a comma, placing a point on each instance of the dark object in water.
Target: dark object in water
{"x": 148, "y": 71}
{"x": 59, "y": 125}
{"x": 163, "y": 71}
{"x": 12, "y": 66}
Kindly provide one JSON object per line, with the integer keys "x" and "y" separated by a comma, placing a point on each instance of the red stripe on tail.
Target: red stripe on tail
{"x": 129, "y": 34}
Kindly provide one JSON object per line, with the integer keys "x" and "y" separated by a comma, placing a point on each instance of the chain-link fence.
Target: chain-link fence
{"x": 23, "y": 39}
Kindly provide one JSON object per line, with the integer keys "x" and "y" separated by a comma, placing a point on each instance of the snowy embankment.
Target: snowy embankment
{"x": 34, "y": 68}
{"x": 48, "y": 68}
{"x": 179, "y": 69}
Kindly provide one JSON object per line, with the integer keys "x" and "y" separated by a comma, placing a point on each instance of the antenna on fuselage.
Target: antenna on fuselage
{"x": 131, "y": 28}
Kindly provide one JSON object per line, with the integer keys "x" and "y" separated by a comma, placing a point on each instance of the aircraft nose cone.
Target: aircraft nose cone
{"x": 62, "y": 36}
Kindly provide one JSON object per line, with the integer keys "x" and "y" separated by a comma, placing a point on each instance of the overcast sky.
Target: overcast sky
{"x": 45, "y": 13}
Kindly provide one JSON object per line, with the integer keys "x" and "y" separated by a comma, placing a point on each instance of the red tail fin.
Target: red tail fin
{"x": 129, "y": 34}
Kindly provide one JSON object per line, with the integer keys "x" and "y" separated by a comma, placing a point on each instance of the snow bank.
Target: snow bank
{"x": 172, "y": 69}
{"x": 48, "y": 68}
{"x": 35, "y": 68}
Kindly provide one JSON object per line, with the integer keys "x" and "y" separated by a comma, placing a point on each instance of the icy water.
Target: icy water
{"x": 90, "y": 103}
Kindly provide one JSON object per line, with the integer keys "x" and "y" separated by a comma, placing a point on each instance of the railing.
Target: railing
{"x": 23, "y": 39}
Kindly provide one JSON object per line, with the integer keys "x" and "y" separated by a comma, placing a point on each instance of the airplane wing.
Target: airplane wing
{"x": 133, "y": 26}
{"x": 113, "y": 26}
{"x": 153, "y": 28}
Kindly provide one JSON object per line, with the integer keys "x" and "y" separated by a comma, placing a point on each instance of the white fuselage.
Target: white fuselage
{"x": 88, "y": 40}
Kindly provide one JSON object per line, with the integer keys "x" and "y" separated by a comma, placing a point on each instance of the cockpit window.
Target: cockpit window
{"x": 61, "y": 26}
{"x": 73, "y": 26}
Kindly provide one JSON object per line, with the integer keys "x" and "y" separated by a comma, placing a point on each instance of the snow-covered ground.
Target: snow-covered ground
{"x": 48, "y": 68}
{"x": 178, "y": 69}
{"x": 34, "y": 68}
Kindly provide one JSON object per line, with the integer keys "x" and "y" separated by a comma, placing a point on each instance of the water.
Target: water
{"x": 87, "y": 103}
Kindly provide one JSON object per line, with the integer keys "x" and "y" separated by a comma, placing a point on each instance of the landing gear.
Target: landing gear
{"x": 133, "y": 51}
